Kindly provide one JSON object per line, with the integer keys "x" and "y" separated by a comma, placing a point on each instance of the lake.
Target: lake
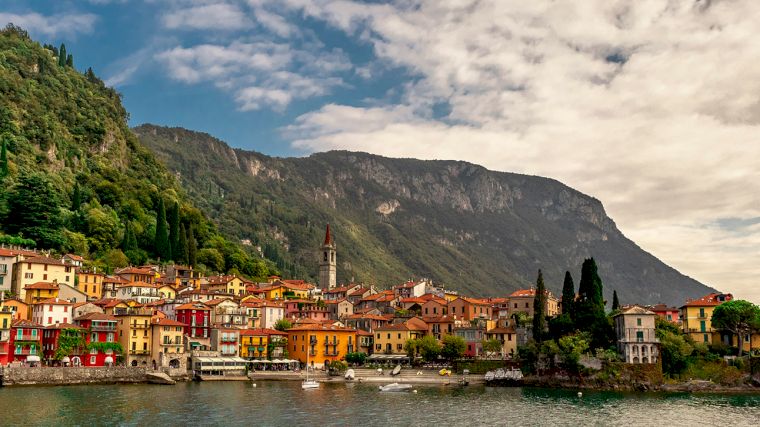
{"x": 284, "y": 403}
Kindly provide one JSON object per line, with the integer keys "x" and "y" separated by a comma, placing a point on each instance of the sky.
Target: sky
{"x": 651, "y": 106}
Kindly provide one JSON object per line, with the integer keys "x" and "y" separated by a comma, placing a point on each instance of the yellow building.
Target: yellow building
{"x": 390, "y": 339}
{"x": 167, "y": 347}
{"x": 254, "y": 343}
{"x": 507, "y": 336}
{"x": 135, "y": 335}
{"x": 323, "y": 343}
{"x": 6, "y": 319}
{"x": 40, "y": 269}
{"x": 230, "y": 284}
{"x": 450, "y": 295}
{"x": 19, "y": 309}
{"x": 40, "y": 291}
{"x": 90, "y": 283}
{"x": 696, "y": 316}
{"x": 167, "y": 292}
{"x": 281, "y": 290}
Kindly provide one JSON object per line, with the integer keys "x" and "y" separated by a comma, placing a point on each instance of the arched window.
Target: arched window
{"x": 324, "y": 258}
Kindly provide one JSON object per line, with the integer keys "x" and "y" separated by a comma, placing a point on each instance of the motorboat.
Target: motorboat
{"x": 308, "y": 384}
{"x": 395, "y": 387}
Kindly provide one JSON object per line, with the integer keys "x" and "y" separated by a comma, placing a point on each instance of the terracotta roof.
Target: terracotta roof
{"x": 501, "y": 331}
{"x": 44, "y": 260}
{"x": 365, "y": 333}
{"x": 137, "y": 285}
{"x": 13, "y": 252}
{"x": 217, "y": 301}
{"x": 63, "y": 326}
{"x": 114, "y": 279}
{"x": 328, "y": 236}
{"x": 193, "y": 306}
{"x": 261, "y": 331}
{"x": 74, "y": 257}
{"x": 438, "y": 319}
{"x": 412, "y": 300}
{"x": 662, "y": 308}
{"x": 474, "y": 301}
{"x": 320, "y": 327}
{"x": 42, "y": 285}
{"x": 635, "y": 309}
{"x": 135, "y": 270}
{"x": 56, "y": 301}
{"x": 166, "y": 322}
{"x": 100, "y": 317}
{"x": 709, "y": 300}
{"x": 360, "y": 291}
{"x": 409, "y": 284}
{"x": 220, "y": 280}
{"x": 393, "y": 327}
{"x": 23, "y": 323}
{"x": 366, "y": 316}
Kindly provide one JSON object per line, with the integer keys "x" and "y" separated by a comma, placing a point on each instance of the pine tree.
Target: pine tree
{"x": 161, "y": 242}
{"x": 129, "y": 243}
{"x": 4, "y": 160}
{"x": 568, "y": 296}
{"x": 183, "y": 255}
{"x": 62, "y": 55}
{"x": 70, "y": 61}
{"x": 76, "y": 198}
{"x": 615, "y": 301}
{"x": 539, "y": 309}
{"x": 589, "y": 309}
{"x": 173, "y": 219}
{"x": 192, "y": 249}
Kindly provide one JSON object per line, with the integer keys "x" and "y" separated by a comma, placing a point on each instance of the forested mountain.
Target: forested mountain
{"x": 76, "y": 179}
{"x": 474, "y": 230}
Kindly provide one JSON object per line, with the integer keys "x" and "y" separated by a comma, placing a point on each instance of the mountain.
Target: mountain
{"x": 75, "y": 178}
{"x": 474, "y": 230}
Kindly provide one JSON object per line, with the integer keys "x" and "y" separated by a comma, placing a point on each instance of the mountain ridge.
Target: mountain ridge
{"x": 478, "y": 231}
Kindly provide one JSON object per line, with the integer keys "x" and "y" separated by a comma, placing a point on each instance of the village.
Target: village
{"x": 172, "y": 319}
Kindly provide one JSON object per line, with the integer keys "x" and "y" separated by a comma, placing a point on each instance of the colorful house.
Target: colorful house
{"x": 52, "y": 311}
{"x": 324, "y": 343}
{"x": 101, "y": 337}
{"x": 40, "y": 269}
{"x": 51, "y": 341}
{"x": 522, "y": 301}
{"x": 470, "y": 308}
{"x": 19, "y": 309}
{"x": 90, "y": 283}
{"x": 6, "y": 319}
{"x": 390, "y": 339}
{"x": 197, "y": 319}
{"x": 696, "y": 316}
{"x": 230, "y": 284}
{"x": 262, "y": 343}
{"x": 167, "y": 347}
{"x": 137, "y": 274}
{"x": 507, "y": 336}
{"x": 135, "y": 337}
{"x": 26, "y": 341}
{"x": 671, "y": 314}
{"x": 40, "y": 291}
{"x": 225, "y": 341}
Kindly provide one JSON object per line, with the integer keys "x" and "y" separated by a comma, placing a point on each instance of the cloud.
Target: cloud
{"x": 219, "y": 16}
{"x": 59, "y": 25}
{"x": 650, "y": 106}
{"x": 259, "y": 74}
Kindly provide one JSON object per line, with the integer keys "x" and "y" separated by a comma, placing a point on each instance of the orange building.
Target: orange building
{"x": 470, "y": 308}
{"x": 325, "y": 343}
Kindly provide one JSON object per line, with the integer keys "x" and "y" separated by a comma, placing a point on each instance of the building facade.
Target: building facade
{"x": 635, "y": 331}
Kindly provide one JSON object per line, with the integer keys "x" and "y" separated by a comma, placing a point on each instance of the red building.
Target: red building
{"x": 26, "y": 342}
{"x": 197, "y": 319}
{"x": 50, "y": 339}
{"x": 101, "y": 329}
{"x": 671, "y": 314}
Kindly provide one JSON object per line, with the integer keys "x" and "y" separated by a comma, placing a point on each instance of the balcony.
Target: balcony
{"x": 330, "y": 353}
{"x": 106, "y": 327}
{"x": 229, "y": 338}
{"x": 25, "y": 352}
{"x": 27, "y": 337}
{"x": 135, "y": 325}
{"x": 172, "y": 343}
{"x": 139, "y": 352}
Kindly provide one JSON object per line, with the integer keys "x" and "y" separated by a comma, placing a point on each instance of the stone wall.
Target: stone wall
{"x": 81, "y": 375}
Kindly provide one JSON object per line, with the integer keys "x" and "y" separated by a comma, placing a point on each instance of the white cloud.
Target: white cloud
{"x": 218, "y": 16}
{"x": 651, "y": 106}
{"x": 59, "y": 25}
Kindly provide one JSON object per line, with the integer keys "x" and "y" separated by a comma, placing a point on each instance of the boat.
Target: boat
{"x": 350, "y": 375}
{"x": 396, "y": 370}
{"x": 308, "y": 383}
{"x": 395, "y": 387}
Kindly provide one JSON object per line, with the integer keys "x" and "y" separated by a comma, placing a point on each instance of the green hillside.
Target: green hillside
{"x": 76, "y": 179}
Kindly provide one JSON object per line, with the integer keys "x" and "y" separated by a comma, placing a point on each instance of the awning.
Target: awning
{"x": 388, "y": 357}
{"x": 32, "y": 358}
{"x": 109, "y": 359}
{"x": 65, "y": 359}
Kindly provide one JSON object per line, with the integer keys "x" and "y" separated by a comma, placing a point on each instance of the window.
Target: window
{"x": 28, "y": 275}
{"x": 44, "y": 276}
{"x": 526, "y": 305}
{"x": 640, "y": 336}
{"x": 50, "y": 320}
{"x": 670, "y": 317}
{"x": 702, "y": 326}
{"x": 50, "y": 308}
{"x": 638, "y": 321}
{"x": 145, "y": 346}
{"x": 34, "y": 333}
{"x": 701, "y": 312}
{"x": 65, "y": 308}
{"x": 704, "y": 337}
{"x": 92, "y": 360}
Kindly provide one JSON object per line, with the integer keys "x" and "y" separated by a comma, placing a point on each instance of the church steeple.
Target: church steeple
{"x": 327, "y": 262}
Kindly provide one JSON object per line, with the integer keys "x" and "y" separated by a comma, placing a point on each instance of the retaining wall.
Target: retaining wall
{"x": 80, "y": 375}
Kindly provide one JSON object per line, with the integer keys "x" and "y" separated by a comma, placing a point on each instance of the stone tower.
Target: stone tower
{"x": 327, "y": 262}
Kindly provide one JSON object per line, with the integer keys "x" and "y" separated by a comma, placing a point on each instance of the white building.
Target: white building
{"x": 141, "y": 292}
{"x": 636, "y": 339}
{"x": 52, "y": 311}
{"x": 271, "y": 312}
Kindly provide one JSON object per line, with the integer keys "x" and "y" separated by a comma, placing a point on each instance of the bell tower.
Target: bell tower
{"x": 327, "y": 262}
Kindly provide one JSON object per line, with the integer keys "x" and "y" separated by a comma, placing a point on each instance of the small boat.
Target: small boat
{"x": 350, "y": 375}
{"x": 395, "y": 387}
{"x": 396, "y": 370}
{"x": 307, "y": 384}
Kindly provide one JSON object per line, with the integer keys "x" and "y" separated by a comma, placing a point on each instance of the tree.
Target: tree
{"x": 739, "y": 317}
{"x": 491, "y": 347}
{"x": 568, "y": 296}
{"x": 283, "y": 324}
{"x": 356, "y": 358}
{"x": 76, "y": 198}
{"x": 62, "y": 55}
{"x": 129, "y": 242}
{"x": 539, "y": 309}
{"x": 70, "y": 60}
{"x": 615, "y": 301}
{"x": 192, "y": 248}
{"x": 589, "y": 309}
{"x": 161, "y": 242}
{"x": 411, "y": 348}
{"x": 172, "y": 218}
{"x": 183, "y": 250}
{"x": 212, "y": 259}
{"x": 102, "y": 228}
{"x": 4, "y": 159}
{"x": 115, "y": 259}
{"x": 571, "y": 348}
{"x": 429, "y": 348}
{"x": 34, "y": 211}
{"x": 453, "y": 347}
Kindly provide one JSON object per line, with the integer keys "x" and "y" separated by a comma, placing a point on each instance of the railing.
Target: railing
{"x": 138, "y": 352}
{"x": 25, "y": 352}
{"x": 27, "y": 337}
{"x": 331, "y": 353}
{"x": 140, "y": 325}
{"x": 229, "y": 338}
{"x": 101, "y": 327}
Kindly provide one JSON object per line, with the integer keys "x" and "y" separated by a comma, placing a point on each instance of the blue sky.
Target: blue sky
{"x": 651, "y": 106}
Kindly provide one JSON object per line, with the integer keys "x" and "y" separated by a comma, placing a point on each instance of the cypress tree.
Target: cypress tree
{"x": 4, "y": 160}
{"x": 70, "y": 61}
{"x": 589, "y": 310}
{"x": 615, "y": 302}
{"x": 62, "y": 55}
{"x": 161, "y": 242}
{"x": 539, "y": 309}
{"x": 568, "y": 296}
{"x": 182, "y": 255}
{"x": 76, "y": 198}
{"x": 173, "y": 219}
{"x": 129, "y": 243}
{"x": 192, "y": 249}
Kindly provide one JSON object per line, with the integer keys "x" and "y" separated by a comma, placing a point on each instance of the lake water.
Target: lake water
{"x": 285, "y": 404}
